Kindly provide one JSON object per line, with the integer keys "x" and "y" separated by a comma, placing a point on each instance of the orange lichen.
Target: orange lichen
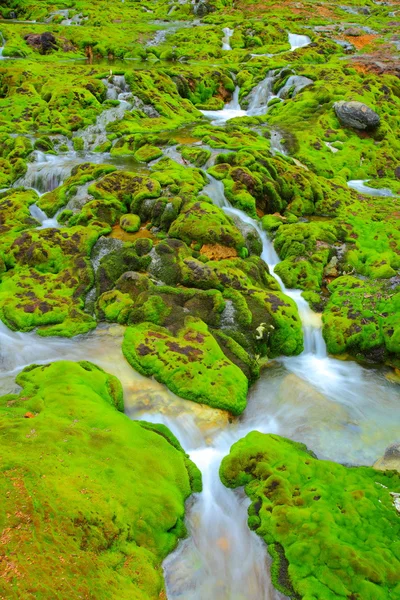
{"x": 218, "y": 252}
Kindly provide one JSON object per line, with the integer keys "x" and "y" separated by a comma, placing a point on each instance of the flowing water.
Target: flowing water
{"x": 298, "y": 41}
{"x": 228, "y": 33}
{"x": 341, "y": 410}
{"x": 2, "y": 44}
{"x": 360, "y": 186}
{"x": 44, "y": 220}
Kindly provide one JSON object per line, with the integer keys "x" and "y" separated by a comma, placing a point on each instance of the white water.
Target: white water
{"x": 230, "y": 111}
{"x": 298, "y": 41}
{"x": 313, "y": 340}
{"x": 360, "y": 186}
{"x": 47, "y": 171}
{"x": 45, "y": 222}
{"x": 339, "y": 409}
{"x": 228, "y": 33}
{"x": 96, "y": 134}
{"x": 2, "y": 44}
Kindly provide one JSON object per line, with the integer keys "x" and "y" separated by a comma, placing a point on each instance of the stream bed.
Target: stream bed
{"x": 343, "y": 411}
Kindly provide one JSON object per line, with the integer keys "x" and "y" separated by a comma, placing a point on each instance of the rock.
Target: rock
{"x": 311, "y": 513}
{"x": 43, "y": 42}
{"x": 390, "y": 460}
{"x": 356, "y": 114}
{"x": 191, "y": 364}
{"x": 130, "y": 223}
{"x": 294, "y": 84}
{"x": 148, "y": 109}
{"x": 397, "y": 172}
{"x": 353, "y": 32}
{"x": 201, "y": 9}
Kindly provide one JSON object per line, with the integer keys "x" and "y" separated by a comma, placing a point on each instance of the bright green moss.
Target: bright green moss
{"x": 332, "y": 531}
{"x": 190, "y": 363}
{"x": 66, "y": 480}
{"x": 362, "y": 317}
{"x": 207, "y": 224}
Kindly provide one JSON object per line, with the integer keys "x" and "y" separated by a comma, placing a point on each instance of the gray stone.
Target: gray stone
{"x": 356, "y": 114}
{"x": 390, "y": 460}
{"x": 294, "y": 84}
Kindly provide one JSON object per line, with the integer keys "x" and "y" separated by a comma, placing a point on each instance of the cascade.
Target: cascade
{"x": 230, "y": 111}
{"x": 228, "y": 33}
{"x": 2, "y": 44}
{"x": 40, "y": 215}
{"x": 47, "y": 171}
{"x": 96, "y": 134}
{"x": 313, "y": 340}
{"x": 298, "y": 41}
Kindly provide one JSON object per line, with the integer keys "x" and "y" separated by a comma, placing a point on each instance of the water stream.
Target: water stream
{"x": 341, "y": 410}
{"x": 298, "y": 41}
{"x": 2, "y": 44}
{"x": 228, "y": 33}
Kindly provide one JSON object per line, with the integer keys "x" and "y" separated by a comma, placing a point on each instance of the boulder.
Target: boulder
{"x": 43, "y": 42}
{"x": 356, "y": 114}
{"x": 390, "y": 460}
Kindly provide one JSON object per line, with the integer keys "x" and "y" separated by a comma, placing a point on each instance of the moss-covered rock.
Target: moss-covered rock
{"x": 130, "y": 223}
{"x": 71, "y": 465}
{"x": 332, "y": 531}
{"x": 190, "y": 363}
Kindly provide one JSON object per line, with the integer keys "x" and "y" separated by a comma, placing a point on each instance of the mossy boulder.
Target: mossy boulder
{"x": 205, "y": 223}
{"x": 332, "y": 531}
{"x": 363, "y": 318}
{"x": 72, "y": 462}
{"x": 130, "y": 223}
{"x": 190, "y": 363}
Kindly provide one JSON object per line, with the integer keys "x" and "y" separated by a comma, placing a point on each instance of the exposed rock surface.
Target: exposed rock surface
{"x": 357, "y": 115}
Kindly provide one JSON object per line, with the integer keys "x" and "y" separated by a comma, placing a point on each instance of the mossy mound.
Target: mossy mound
{"x": 95, "y": 499}
{"x": 48, "y": 275}
{"x": 332, "y": 531}
{"x": 204, "y": 223}
{"x": 190, "y": 363}
{"x": 363, "y": 318}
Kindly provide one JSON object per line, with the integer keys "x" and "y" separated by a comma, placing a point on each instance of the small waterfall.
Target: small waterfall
{"x": 230, "y": 111}
{"x": 46, "y": 171}
{"x": 45, "y": 223}
{"x": 276, "y": 143}
{"x": 298, "y": 41}
{"x": 2, "y": 44}
{"x": 312, "y": 326}
{"x": 117, "y": 89}
{"x": 228, "y": 33}
{"x": 261, "y": 95}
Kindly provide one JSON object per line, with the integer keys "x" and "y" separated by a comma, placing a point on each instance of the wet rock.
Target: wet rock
{"x": 294, "y": 84}
{"x": 43, "y": 42}
{"x": 356, "y": 114}
{"x": 390, "y": 460}
{"x": 201, "y": 9}
{"x": 148, "y": 109}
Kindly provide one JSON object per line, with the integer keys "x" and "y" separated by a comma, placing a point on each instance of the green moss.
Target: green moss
{"x": 130, "y": 223}
{"x": 332, "y": 531}
{"x": 362, "y": 317}
{"x": 205, "y": 223}
{"x": 48, "y": 276}
{"x": 190, "y": 363}
{"x": 66, "y": 480}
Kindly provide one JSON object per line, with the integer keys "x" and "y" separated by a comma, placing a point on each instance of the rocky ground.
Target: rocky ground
{"x": 110, "y": 176}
